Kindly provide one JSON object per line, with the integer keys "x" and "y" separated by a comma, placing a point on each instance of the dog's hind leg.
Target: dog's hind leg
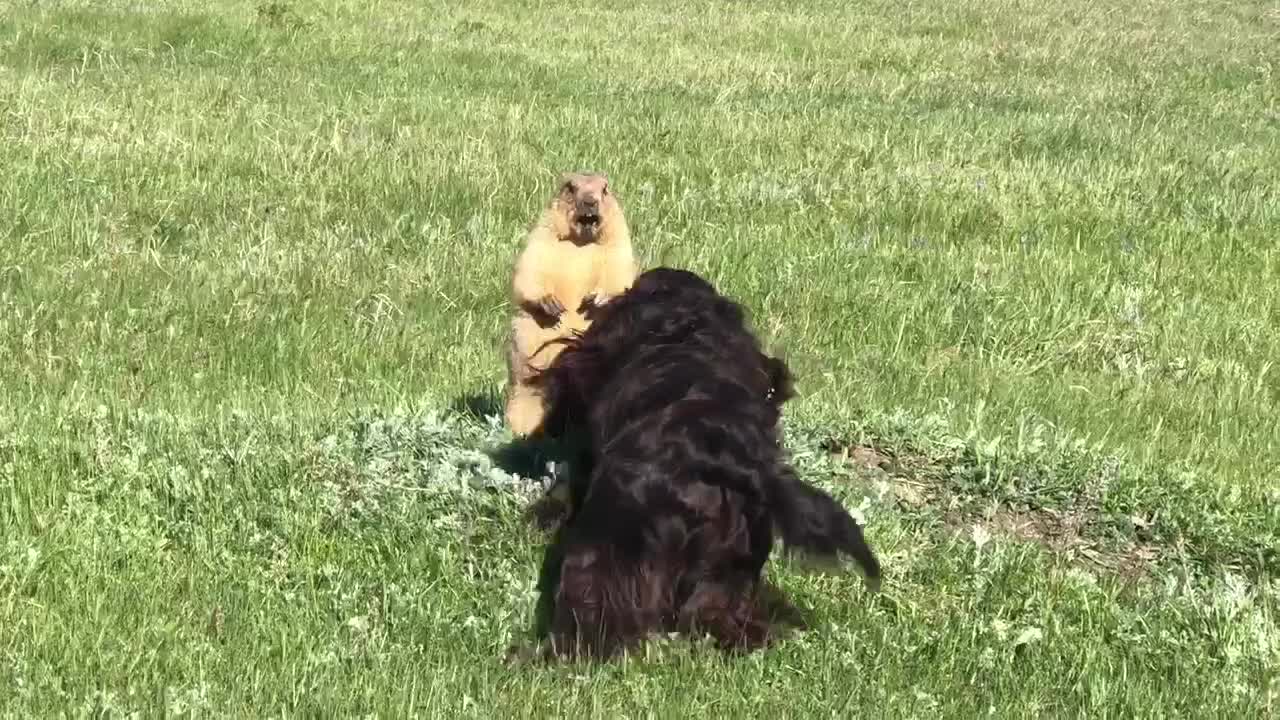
{"x": 603, "y": 604}
{"x": 730, "y": 610}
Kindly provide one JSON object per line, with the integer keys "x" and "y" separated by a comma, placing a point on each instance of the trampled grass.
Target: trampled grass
{"x": 253, "y": 271}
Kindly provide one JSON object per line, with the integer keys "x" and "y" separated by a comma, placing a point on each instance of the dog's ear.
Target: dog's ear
{"x": 781, "y": 381}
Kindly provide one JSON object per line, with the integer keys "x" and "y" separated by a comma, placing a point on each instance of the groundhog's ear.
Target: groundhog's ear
{"x": 566, "y": 180}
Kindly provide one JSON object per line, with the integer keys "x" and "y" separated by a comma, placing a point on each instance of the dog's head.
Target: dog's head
{"x": 670, "y": 280}
{"x": 664, "y": 307}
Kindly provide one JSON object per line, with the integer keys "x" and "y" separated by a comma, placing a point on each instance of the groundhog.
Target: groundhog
{"x": 575, "y": 258}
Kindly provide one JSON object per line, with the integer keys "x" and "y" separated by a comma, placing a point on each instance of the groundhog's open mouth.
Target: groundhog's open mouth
{"x": 589, "y": 220}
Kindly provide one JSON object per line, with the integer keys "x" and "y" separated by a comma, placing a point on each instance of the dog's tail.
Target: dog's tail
{"x": 812, "y": 521}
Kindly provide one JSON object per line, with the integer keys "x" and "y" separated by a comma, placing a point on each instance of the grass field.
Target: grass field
{"x": 253, "y": 270}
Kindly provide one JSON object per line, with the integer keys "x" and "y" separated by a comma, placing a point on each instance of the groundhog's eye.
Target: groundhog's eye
{"x": 605, "y": 191}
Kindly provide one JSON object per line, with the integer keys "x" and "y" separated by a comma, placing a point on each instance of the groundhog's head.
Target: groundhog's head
{"x": 587, "y": 203}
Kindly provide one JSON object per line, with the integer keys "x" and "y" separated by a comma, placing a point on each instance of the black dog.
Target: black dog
{"x": 688, "y": 484}
{"x": 717, "y": 327}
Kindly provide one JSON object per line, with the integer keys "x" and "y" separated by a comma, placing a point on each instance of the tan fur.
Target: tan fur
{"x": 563, "y": 261}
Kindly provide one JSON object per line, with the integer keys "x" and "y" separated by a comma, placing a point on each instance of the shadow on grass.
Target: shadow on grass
{"x": 534, "y": 457}
{"x": 480, "y": 405}
{"x": 526, "y": 457}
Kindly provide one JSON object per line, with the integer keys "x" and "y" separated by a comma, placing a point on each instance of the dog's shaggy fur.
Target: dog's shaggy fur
{"x": 687, "y": 484}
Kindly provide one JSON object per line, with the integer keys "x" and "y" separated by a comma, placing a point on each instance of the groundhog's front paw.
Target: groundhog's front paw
{"x": 594, "y": 301}
{"x": 551, "y": 306}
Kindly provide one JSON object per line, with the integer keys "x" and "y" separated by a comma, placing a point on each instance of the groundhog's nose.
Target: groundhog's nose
{"x": 590, "y": 203}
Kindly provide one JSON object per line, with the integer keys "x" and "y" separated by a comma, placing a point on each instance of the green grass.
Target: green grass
{"x": 253, "y": 271}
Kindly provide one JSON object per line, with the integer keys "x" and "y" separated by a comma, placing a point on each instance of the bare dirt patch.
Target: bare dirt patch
{"x": 1063, "y": 532}
{"x": 917, "y": 483}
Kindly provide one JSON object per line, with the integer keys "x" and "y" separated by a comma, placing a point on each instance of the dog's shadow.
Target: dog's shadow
{"x": 533, "y": 458}
{"x": 525, "y": 457}
{"x": 480, "y": 405}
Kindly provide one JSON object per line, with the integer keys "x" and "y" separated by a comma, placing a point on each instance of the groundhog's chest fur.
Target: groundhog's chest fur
{"x": 578, "y": 275}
